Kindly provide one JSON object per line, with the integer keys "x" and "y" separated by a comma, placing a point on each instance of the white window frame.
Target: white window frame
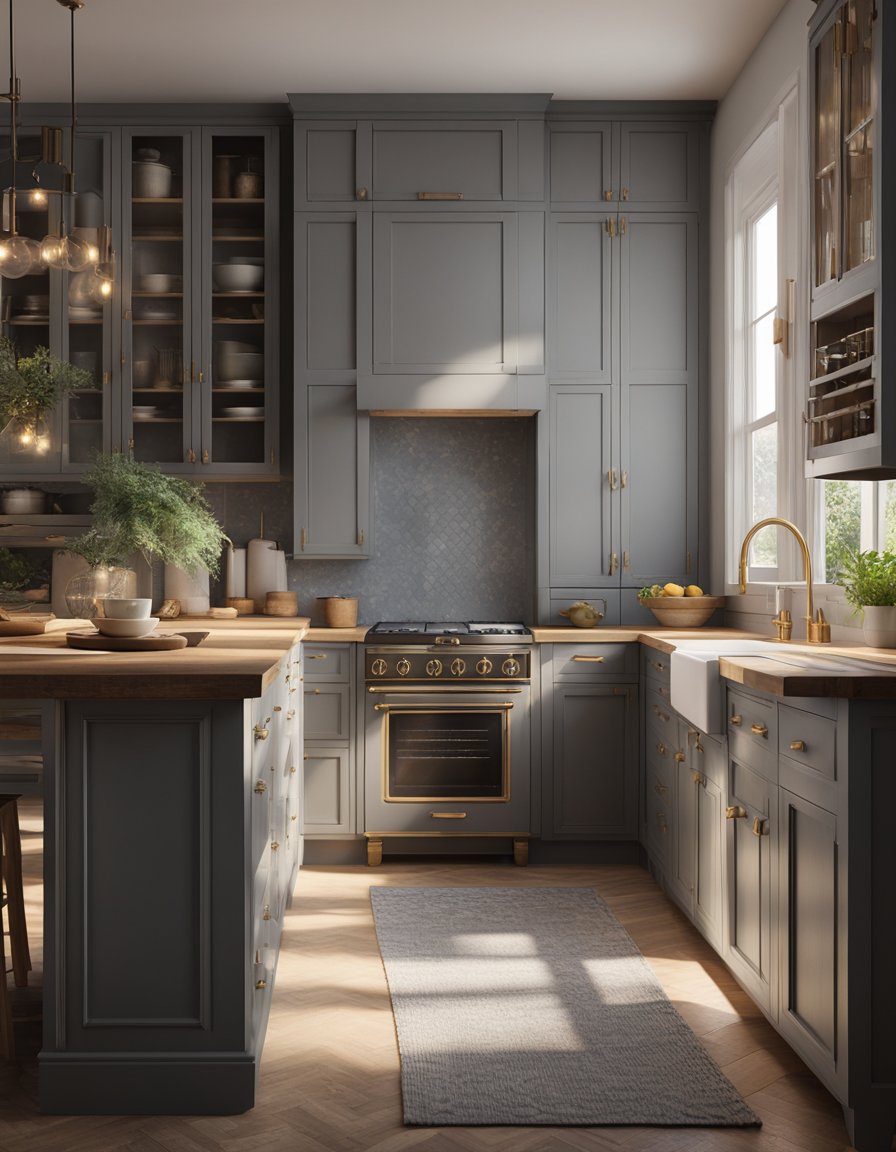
{"x": 769, "y": 169}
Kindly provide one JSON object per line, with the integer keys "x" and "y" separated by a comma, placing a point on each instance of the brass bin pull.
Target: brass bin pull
{"x": 735, "y": 812}
{"x": 505, "y": 705}
{"x": 759, "y": 730}
{"x": 589, "y": 659}
{"x": 797, "y": 745}
{"x": 448, "y": 815}
{"x": 736, "y": 721}
{"x": 441, "y": 690}
{"x": 440, "y": 195}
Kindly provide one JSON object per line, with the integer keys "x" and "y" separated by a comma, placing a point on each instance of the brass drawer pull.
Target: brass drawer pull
{"x": 440, "y": 195}
{"x": 736, "y": 721}
{"x": 760, "y": 827}
{"x": 759, "y": 730}
{"x": 797, "y": 745}
{"x": 662, "y": 715}
{"x": 589, "y": 659}
{"x": 735, "y": 812}
{"x": 448, "y": 815}
{"x": 317, "y": 656}
{"x": 657, "y": 665}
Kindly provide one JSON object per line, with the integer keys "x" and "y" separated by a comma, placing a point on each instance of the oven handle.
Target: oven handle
{"x": 417, "y": 689}
{"x": 505, "y": 704}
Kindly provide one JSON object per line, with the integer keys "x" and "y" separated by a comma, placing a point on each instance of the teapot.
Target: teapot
{"x": 582, "y": 614}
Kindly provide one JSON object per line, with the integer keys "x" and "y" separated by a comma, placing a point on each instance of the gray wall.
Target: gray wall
{"x": 454, "y": 524}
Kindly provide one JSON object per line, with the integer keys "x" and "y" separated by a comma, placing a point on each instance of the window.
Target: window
{"x": 856, "y": 514}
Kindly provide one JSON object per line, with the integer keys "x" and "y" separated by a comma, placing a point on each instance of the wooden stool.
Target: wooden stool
{"x": 13, "y": 899}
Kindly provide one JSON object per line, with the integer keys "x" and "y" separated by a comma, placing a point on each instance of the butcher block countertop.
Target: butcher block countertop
{"x": 236, "y": 661}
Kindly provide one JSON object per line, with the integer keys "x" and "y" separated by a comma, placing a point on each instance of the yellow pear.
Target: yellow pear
{"x": 673, "y": 590}
{"x": 693, "y": 590}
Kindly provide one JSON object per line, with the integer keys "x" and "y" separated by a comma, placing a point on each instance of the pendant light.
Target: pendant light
{"x": 21, "y": 255}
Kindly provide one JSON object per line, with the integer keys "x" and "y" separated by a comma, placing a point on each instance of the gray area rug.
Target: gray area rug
{"x": 533, "y": 1006}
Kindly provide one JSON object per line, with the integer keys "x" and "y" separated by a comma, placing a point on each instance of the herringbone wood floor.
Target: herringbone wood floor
{"x": 329, "y": 1076}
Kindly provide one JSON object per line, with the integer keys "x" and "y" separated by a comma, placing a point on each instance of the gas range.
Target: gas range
{"x": 451, "y": 651}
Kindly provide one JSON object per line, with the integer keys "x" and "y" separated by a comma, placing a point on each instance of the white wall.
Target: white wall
{"x": 749, "y": 105}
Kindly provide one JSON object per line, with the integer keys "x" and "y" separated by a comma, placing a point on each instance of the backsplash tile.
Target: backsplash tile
{"x": 454, "y": 523}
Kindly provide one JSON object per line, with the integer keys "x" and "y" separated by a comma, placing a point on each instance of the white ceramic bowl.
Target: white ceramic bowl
{"x": 238, "y": 277}
{"x": 241, "y": 366}
{"x": 127, "y": 607}
{"x": 129, "y": 629}
{"x": 160, "y": 282}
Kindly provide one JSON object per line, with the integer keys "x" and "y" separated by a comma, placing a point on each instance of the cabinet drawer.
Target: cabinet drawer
{"x": 808, "y": 739}
{"x": 659, "y": 714}
{"x": 327, "y": 663}
{"x": 753, "y": 732}
{"x": 657, "y": 666}
{"x": 595, "y": 660}
{"x": 327, "y": 713}
{"x": 444, "y": 161}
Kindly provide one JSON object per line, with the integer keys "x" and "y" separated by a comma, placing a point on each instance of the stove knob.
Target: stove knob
{"x": 403, "y": 667}
{"x": 379, "y": 667}
{"x": 511, "y": 667}
{"x": 434, "y": 668}
{"x": 484, "y": 666}
{"x": 458, "y": 667}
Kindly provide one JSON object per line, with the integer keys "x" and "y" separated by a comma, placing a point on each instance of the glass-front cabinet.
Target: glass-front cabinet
{"x": 183, "y": 351}
{"x": 849, "y": 432}
{"x": 199, "y": 352}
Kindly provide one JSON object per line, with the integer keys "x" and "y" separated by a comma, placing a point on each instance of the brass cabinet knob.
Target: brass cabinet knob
{"x": 259, "y": 984}
{"x": 760, "y": 827}
{"x": 797, "y": 745}
{"x": 698, "y": 778}
{"x": 759, "y": 730}
{"x": 260, "y": 732}
{"x": 679, "y": 757}
{"x": 361, "y": 194}
{"x": 661, "y": 748}
{"x": 736, "y": 720}
{"x": 275, "y": 844}
{"x": 261, "y": 787}
{"x": 735, "y": 812}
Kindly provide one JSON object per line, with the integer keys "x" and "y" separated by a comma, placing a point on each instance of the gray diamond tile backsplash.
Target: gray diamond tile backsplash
{"x": 454, "y": 523}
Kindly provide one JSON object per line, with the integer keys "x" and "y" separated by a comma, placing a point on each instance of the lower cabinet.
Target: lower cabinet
{"x": 590, "y": 734}
{"x": 328, "y": 755}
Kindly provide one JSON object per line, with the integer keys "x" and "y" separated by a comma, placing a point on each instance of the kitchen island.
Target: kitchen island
{"x": 171, "y": 843}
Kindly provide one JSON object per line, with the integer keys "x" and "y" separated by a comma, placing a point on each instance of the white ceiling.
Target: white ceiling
{"x": 258, "y": 50}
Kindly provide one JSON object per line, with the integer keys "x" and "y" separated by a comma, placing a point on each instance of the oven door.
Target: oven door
{"x": 443, "y": 761}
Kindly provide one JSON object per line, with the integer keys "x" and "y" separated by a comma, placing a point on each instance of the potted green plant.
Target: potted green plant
{"x": 868, "y": 580}
{"x": 30, "y": 387}
{"x": 137, "y": 509}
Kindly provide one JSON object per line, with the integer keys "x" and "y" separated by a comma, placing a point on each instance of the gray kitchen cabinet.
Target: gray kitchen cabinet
{"x": 590, "y": 735}
{"x": 331, "y": 500}
{"x": 444, "y": 160}
{"x": 751, "y": 848}
{"x": 659, "y": 731}
{"x": 581, "y": 311}
{"x": 642, "y": 165}
{"x": 329, "y": 799}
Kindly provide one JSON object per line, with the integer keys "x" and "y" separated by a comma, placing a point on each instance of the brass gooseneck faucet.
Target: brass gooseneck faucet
{"x": 818, "y": 631}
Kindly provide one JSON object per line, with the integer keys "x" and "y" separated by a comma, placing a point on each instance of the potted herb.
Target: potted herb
{"x": 31, "y": 386}
{"x": 137, "y": 509}
{"x": 868, "y": 580}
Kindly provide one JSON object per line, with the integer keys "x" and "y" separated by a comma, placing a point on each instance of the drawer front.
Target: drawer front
{"x": 327, "y": 663}
{"x": 753, "y": 732}
{"x": 658, "y": 713}
{"x": 444, "y": 161}
{"x": 657, "y": 666}
{"x": 327, "y": 713}
{"x": 580, "y": 660}
{"x": 808, "y": 739}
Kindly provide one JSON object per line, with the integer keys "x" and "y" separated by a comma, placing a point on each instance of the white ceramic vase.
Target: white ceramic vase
{"x": 879, "y": 625}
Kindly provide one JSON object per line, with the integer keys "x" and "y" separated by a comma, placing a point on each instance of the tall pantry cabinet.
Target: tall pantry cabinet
{"x": 625, "y": 350}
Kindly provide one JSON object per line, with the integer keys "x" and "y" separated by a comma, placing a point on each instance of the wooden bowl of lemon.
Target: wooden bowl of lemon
{"x": 678, "y": 607}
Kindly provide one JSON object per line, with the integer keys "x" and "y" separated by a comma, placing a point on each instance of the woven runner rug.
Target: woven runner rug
{"x": 533, "y": 1006}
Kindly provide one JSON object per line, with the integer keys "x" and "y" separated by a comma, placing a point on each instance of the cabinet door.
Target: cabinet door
{"x": 326, "y": 163}
{"x": 809, "y": 916}
{"x": 595, "y": 762}
{"x": 683, "y": 865}
{"x": 332, "y": 473}
{"x": 659, "y": 167}
{"x": 160, "y": 392}
{"x": 581, "y": 488}
{"x": 708, "y": 774}
{"x": 327, "y": 791}
{"x": 446, "y": 296}
{"x": 749, "y": 952}
{"x": 584, "y": 164}
{"x": 236, "y": 363}
{"x": 445, "y": 160}
{"x": 581, "y": 309}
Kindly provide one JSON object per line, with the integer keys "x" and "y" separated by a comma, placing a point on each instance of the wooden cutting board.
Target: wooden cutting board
{"x": 94, "y": 642}
{"x": 22, "y": 627}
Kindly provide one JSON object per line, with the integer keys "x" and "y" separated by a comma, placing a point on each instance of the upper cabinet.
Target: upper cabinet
{"x": 185, "y": 351}
{"x": 851, "y": 432}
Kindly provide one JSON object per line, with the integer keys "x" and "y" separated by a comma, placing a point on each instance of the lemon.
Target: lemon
{"x": 693, "y": 590}
{"x": 673, "y": 590}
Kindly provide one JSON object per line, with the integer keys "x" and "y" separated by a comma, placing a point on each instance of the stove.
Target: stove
{"x": 456, "y": 632}
{"x": 431, "y": 651}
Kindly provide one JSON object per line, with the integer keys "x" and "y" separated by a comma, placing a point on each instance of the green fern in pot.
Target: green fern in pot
{"x": 31, "y": 386}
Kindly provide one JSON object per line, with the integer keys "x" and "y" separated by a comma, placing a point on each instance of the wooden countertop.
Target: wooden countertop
{"x": 236, "y": 661}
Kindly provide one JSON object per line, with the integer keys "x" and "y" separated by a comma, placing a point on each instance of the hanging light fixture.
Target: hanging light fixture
{"x": 20, "y": 255}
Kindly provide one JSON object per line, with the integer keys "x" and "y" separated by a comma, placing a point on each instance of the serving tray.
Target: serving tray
{"x": 94, "y": 642}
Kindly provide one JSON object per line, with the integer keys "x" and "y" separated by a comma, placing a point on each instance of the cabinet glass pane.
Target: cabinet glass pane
{"x": 859, "y": 47}
{"x": 827, "y": 152}
{"x": 237, "y": 287}
{"x": 158, "y": 263}
{"x": 859, "y": 210}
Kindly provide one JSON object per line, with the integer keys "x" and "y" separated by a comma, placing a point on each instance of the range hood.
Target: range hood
{"x": 449, "y": 395}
